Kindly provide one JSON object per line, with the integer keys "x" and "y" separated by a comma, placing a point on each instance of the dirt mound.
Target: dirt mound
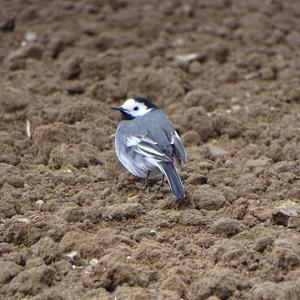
{"x": 75, "y": 225}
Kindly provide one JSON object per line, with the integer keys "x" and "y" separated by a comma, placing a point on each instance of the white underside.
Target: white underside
{"x": 140, "y": 166}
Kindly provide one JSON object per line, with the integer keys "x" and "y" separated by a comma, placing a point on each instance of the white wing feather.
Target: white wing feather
{"x": 178, "y": 147}
{"x": 147, "y": 147}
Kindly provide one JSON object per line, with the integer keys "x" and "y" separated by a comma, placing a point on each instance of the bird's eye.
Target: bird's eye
{"x": 136, "y": 108}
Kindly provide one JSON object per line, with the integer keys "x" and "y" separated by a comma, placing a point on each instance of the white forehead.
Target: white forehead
{"x": 130, "y": 103}
{"x": 135, "y": 108}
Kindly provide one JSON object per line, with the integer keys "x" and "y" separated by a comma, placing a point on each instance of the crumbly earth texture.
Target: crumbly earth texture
{"x": 75, "y": 225}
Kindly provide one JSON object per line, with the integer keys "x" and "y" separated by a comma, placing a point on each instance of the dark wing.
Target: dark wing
{"x": 179, "y": 150}
{"x": 148, "y": 147}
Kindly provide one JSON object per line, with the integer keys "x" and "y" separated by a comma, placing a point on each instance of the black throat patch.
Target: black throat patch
{"x": 126, "y": 116}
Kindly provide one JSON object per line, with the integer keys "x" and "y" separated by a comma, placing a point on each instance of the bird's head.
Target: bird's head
{"x": 135, "y": 107}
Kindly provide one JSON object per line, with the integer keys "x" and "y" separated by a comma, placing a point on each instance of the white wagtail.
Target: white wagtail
{"x": 147, "y": 144}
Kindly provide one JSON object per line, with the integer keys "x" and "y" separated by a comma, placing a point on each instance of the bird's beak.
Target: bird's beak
{"x": 118, "y": 108}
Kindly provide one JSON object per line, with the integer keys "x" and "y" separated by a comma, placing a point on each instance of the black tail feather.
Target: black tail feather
{"x": 169, "y": 170}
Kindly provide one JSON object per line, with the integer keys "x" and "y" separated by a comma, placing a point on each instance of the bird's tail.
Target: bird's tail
{"x": 169, "y": 170}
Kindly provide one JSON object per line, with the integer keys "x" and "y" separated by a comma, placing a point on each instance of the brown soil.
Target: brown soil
{"x": 75, "y": 225}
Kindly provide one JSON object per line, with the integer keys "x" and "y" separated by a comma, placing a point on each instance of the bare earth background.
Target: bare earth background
{"x": 75, "y": 225}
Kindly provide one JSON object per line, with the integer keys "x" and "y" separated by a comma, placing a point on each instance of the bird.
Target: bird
{"x": 147, "y": 144}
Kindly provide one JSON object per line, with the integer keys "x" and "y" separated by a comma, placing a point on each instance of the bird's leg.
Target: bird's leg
{"x": 161, "y": 188}
{"x": 146, "y": 181}
{"x": 162, "y": 181}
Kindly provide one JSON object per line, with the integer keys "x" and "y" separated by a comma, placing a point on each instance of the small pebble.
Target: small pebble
{"x": 94, "y": 262}
{"x": 39, "y": 204}
{"x": 30, "y": 37}
{"x": 73, "y": 257}
{"x": 282, "y": 214}
{"x": 187, "y": 58}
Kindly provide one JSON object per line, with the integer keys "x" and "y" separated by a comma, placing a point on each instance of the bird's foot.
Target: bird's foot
{"x": 163, "y": 189}
{"x": 149, "y": 189}
{"x": 146, "y": 189}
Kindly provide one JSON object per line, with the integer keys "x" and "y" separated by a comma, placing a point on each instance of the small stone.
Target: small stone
{"x": 30, "y": 37}
{"x": 226, "y": 226}
{"x": 284, "y": 212}
{"x": 94, "y": 262}
{"x": 73, "y": 257}
{"x": 187, "y": 58}
{"x": 262, "y": 214}
{"x": 39, "y": 204}
{"x": 290, "y": 208}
